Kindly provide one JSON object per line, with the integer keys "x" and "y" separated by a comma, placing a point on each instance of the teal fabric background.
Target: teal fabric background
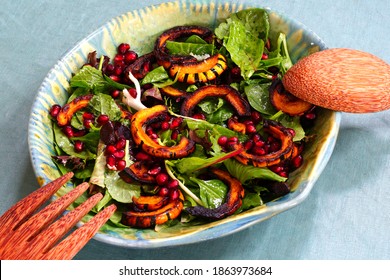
{"x": 346, "y": 216}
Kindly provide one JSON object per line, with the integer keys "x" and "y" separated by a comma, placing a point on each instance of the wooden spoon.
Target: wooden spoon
{"x": 342, "y": 80}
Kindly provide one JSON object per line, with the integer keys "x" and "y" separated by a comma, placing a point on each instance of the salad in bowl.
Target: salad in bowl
{"x": 193, "y": 132}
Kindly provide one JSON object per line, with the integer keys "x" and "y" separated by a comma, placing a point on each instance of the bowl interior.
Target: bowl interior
{"x": 140, "y": 28}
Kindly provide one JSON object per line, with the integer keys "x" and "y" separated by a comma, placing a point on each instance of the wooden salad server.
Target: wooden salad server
{"x": 341, "y": 79}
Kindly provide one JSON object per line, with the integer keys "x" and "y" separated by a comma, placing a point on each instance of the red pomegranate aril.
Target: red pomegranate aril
{"x": 174, "y": 194}
{"x": 111, "y": 161}
{"x": 176, "y": 122}
{"x": 248, "y": 145}
{"x": 68, "y": 130}
{"x": 115, "y": 78}
{"x": 109, "y": 69}
{"x": 118, "y": 70}
{"x": 162, "y": 179}
{"x": 260, "y": 151}
{"x": 275, "y": 146}
{"x": 115, "y": 93}
{"x": 123, "y": 48}
{"x": 175, "y": 134}
{"x": 163, "y": 191}
{"x": 118, "y": 58}
{"x": 256, "y": 117}
{"x": 250, "y": 129}
{"x": 310, "y": 116}
{"x": 232, "y": 140}
{"x": 264, "y": 56}
{"x": 142, "y": 156}
{"x": 292, "y": 131}
{"x": 54, "y": 110}
{"x": 132, "y": 92}
{"x": 199, "y": 116}
{"x": 130, "y": 56}
{"x": 87, "y": 123}
{"x": 173, "y": 184}
{"x": 283, "y": 174}
{"x": 88, "y": 116}
{"x": 110, "y": 149}
{"x": 153, "y": 136}
{"x": 154, "y": 171}
{"x": 79, "y": 133}
{"x": 259, "y": 143}
{"x": 222, "y": 140}
{"x": 297, "y": 161}
{"x": 164, "y": 125}
{"x": 120, "y": 164}
{"x": 78, "y": 146}
{"x": 121, "y": 143}
{"x": 235, "y": 71}
{"x": 119, "y": 154}
{"x": 102, "y": 119}
{"x": 277, "y": 168}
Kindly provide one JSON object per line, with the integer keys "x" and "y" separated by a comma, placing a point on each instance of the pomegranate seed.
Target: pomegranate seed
{"x": 153, "y": 136}
{"x": 260, "y": 151}
{"x": 110, "y": 160}
{"x": 68, "y": 130}
{"x": 250, "y": 129}
{"x": 154, "y": 171}
{"x": 165, "y": 125}
{"x": 162, "y": 179}
{"x": 283, "y": 174}
{"x": 142, "y": 156}
{"x": 146, "y": 67}
{"x": 115, "y": 93}
{"x": 115, "y": 78}
{"x": 79, "y": 133}
{"x": 264, "y": 56}
{"x": 88, "y": 116}
{"x": 55, "y": 110}
{"x": 292, "y": 131}
{"x": 232, "y": 140}
{"x": 235, "y": 71}
{"x": 163, "y": 192}
{"x": 87, "y": 123}
{"x": 173, "y": 184}
{"x": 175, "y": 134}
{"x": 102, "y": 119}
{"x": 248, "y": 145}
{"x": 256, "y": 117}
{"x": 256, "y": 138}
{"x": 222, "y": 140}
{"x": 121, "y": 143}
{"x": 277, "y": 168}
{"x": 199, "y": 116}
{"x": 130, "y": 56}
{"x": 78, "y": 146}
{"x": 176, "y": 122}
{"x": 110, "y": 149}
{"x": 123, "y": 47}
{"x": 118, "y": 70}
{"x": 118, "y": 59}
{"x": 156, "y": 125}
{"x": 297, "y": 161}
{"x": 109, "y": 69}
{"x": 119, "y": 154}
{"x": 132, "y": 92}
{"x": 174, "y": 194}
{"x": 120, "y": 165}
{"x": 310, "y": 116}
{"x": 259, "y": 143}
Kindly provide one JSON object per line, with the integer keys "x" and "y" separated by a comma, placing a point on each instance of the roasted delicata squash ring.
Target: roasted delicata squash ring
{"x": 226, "y": 92}
{"x": 232, "y": 202}
{"x": 138, "y": 171}
{"x": 172, "y": 91}
{"x": 284, "y": 101}
{"x": 202, "y": 71}
{"x": 67, "y": 111}
{"x": 142, "y": 118}
{"x": 150, "y": 202}
{"x": 160, "y": 51}
{"x": 148, "y": 219}
{"x": 286, "y": 149}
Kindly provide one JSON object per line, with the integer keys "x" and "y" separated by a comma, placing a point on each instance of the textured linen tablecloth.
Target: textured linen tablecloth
{"x": 347, "y": 214}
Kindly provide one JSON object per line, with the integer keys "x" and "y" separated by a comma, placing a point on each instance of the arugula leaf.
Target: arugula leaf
{"x": 212, "y": 192}
{"x": 244, "y": 173}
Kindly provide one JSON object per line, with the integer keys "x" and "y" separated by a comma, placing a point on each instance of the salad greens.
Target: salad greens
{"x": 244, "y": 40}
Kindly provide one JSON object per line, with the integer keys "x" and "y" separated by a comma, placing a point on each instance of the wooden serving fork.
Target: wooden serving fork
{"x": 25, "y": 236}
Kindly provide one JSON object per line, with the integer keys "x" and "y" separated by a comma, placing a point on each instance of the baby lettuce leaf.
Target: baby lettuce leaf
{"x": 245, "y": 173}
{"x": 258, "y": 97}
{"x": 244, "y": 35}
{"x": 104, "y": 104}
{"x": 212, "y": 192}
{"x": 119, "y": 189}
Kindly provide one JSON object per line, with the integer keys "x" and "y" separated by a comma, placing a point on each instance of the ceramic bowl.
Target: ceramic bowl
{"x": 141, "y": 27}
